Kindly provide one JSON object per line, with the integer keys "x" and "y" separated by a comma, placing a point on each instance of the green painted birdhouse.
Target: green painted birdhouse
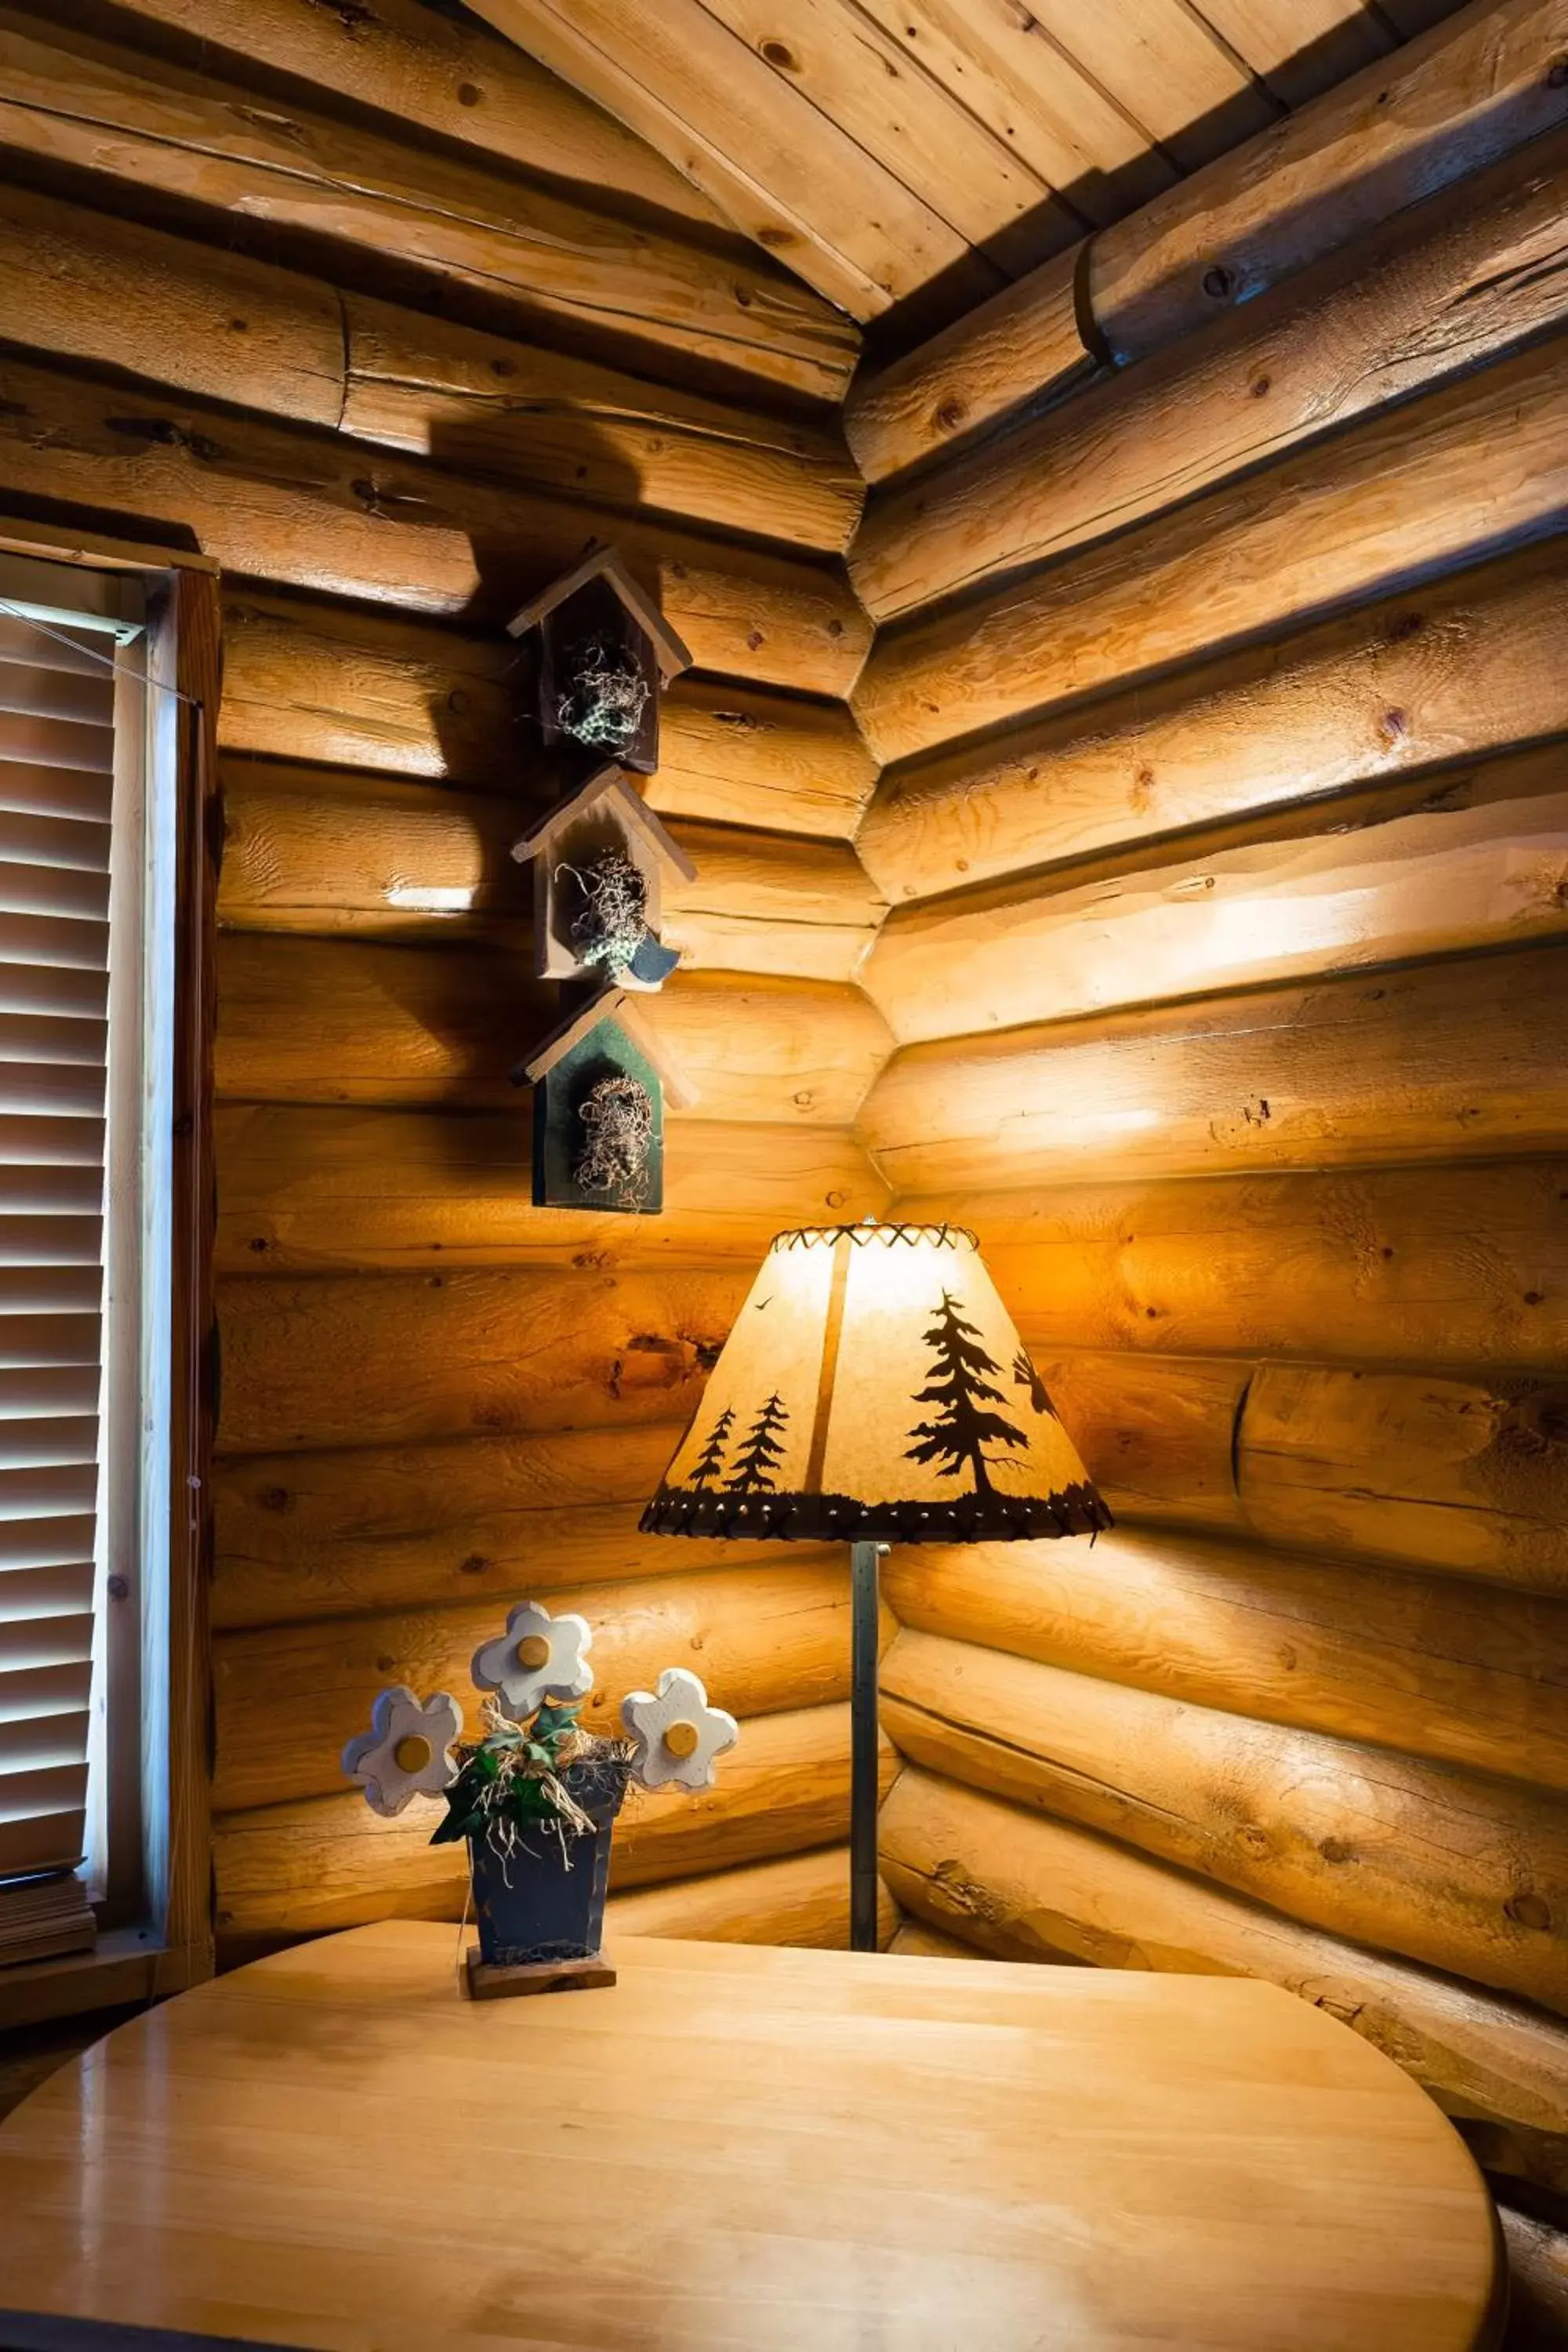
{"x": 600, "y": 1081}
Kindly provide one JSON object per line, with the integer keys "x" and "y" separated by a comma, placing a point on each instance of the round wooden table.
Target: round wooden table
{"x": 745, "y": 2148}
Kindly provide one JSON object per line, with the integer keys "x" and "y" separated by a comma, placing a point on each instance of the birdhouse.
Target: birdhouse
{"x": 606, "y": 651}
{"x": 599, "y": 1083}
{"x": 600, "y": 861}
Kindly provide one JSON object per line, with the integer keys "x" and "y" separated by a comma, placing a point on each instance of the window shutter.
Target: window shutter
{"x": 56, "y": 772}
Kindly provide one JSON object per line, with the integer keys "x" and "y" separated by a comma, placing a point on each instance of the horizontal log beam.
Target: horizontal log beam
{"x": 1457, "y": 1059}
{"x": 340, "y": 1020}
{"x": 1434, "y": 291}
{"x": 733, "y": 755}
{"x": 386, "y": 1359}
{"x": 1022, "y": 347}
{"x": 375, "y": 1529}
{"x": 507, "y": 406}
{"x": 224, "y": 326}
{"x": 1022, "y": 1885}
{"x": 1471, "y": 90}
{"x": 156, "y": 125}
{"x": 803, "y": 1900}
{"x": 1461, "y": 1477}
{"x": 1436, "y": 1666}
{"x": 1432, "y": 1268}
{"x": 313, "y": 850}
{"x": 299, "y": 509}
{"x": 319, "y": 683}
{"x": 1442, "y": 674}
{"x": 1456, "y": 1869}
{"x": 306, "y": 1188}
{"x": 1537, "y": 2281}
{"x": 1419, "y": 868}
{"x": 761, "y": 1638}
{"x": 331, "y": 685}
{"x": 1402, "y": 496}
{"x": 328, "y": 1861}
{"x": 439, "y": 73}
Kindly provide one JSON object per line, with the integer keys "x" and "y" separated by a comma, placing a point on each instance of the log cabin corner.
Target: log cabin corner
{"x": 1107, "y": 469}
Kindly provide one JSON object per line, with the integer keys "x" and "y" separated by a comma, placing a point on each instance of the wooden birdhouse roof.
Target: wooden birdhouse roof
{"x": 608, "y": 783}
{"x": 605, "y": 563}
{"x": 612, "y": 1004}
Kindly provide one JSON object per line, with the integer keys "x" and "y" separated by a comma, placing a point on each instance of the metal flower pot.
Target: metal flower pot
{"x": 544, "y": 1900}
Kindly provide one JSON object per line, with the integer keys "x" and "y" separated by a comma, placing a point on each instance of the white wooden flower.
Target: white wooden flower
{"x": 679, "y": 1735}
{"x": 538, "y": 1657}
{"x": 406, "y": 1752}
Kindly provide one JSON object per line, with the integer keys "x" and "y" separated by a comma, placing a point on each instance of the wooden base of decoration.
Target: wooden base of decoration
{"x": 493, "y": 1980}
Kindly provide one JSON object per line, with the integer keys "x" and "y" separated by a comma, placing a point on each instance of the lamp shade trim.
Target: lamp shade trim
{"x": 874, "y": 1387}
{"x": 1076, "y": 1511}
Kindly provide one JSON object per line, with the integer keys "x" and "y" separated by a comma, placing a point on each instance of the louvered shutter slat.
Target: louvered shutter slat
{"x": 42, "y": 1037}
{"x": 28, "y": 1692}
{"x": 52, "y": 1142}
{"x": 56, "y": 1736}
{"x": 53, "y": 989}
{"x": 59, "y": 646}
{"x": 29, "y": 1546}
{"x": 34, "y": 1290}
{"x": 34, "y": 691}
{"x": 33, "y": 840}
{"x": 64, "y": 1388}
{"x": 86, "y": 793}
{"x": 56, "y": 743}
{"x": 38, "y": 1443}
{"x": 59, "y": 1593}
{"x": 62, "y": 1488}
{"x": 30, "y": 888}
{"x": 39, "y": 1089}
{"x": 64, "y": 1239}
{"x": 42, "y": 1818}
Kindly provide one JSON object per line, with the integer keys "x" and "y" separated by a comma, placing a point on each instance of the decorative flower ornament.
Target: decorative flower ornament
{"x": 538, "y": 1658}
{"x": 406, "y": 1751}
{"x": 679, "y": 1735}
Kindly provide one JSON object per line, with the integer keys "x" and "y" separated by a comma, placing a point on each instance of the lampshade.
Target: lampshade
{"x": 874, "y": 1386}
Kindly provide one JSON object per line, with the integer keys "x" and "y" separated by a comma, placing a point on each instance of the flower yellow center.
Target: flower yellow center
{"x": 681, "y": 1739}
{"x": 532, "y": 1652}
{"x": 412, "y": 1753}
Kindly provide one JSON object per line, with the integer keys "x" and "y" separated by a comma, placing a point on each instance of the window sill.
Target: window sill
{"x": 127, "y": 1965}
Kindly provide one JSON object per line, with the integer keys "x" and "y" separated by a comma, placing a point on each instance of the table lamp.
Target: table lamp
{"x": 874, "y": 1391}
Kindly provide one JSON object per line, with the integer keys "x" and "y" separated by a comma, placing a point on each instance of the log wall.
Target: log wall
{"x": 394, "y": 360}
{"x": 1219, "y": 688}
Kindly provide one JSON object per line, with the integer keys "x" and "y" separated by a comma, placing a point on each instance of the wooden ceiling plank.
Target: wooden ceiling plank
{"x": 1299, "y": 47}
{"x": 1031, "y": 96}
{"x": 1160, "y": 65}
{"x": 883, "y": 95}
{"x": 784, "y": 172}
{"x": 450, "y": 76}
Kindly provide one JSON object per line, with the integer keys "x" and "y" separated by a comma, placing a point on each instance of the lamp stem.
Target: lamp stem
{"x": 864, "y": 1616}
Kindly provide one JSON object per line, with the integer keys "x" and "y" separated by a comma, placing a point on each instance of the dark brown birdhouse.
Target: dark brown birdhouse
{"x": 605, "y": 653}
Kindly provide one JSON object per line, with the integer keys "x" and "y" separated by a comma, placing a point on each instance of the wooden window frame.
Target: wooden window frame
{"x": 171, "y": 1945}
